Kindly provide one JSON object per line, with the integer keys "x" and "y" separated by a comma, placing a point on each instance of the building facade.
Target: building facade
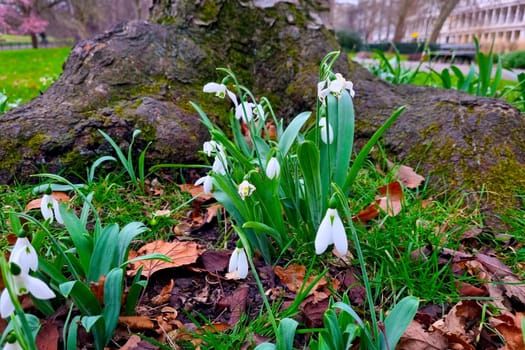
{"x": 498, "y": 21}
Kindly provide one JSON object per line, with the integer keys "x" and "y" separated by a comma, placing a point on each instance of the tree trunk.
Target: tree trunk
{"x": 403, "y": 10}
{"x": 143, "y": 75}
{"x": 34, "y": 40}
{"x": 446, "y": 8}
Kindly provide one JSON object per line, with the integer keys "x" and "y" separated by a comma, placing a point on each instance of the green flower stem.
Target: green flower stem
{"x": 347, "y": 214}
{"x": 248, "y": 250}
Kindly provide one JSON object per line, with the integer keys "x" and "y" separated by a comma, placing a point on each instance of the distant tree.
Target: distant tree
{"x": 21, "y": 17}
{"x": 404, "y": 9}
{"x": 445, "y": 9}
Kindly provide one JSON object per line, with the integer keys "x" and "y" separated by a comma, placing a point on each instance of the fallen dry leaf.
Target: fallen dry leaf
{"x": 408, "y": 177}
{"x": 293, "y": 277}
{"x": 195, "y": 191}
{"x": 137, "y": 322}
{"x": 417, "y": 338}
{"x": 35, "y": 203}
{"x": 458, "y": 324}
{"x": 180, "y": 253}
{"x": 164, "y": 295}
{"x": 509, "y": 326}
{"x": 47, "y": 338}
{"x": 391, "y": 198}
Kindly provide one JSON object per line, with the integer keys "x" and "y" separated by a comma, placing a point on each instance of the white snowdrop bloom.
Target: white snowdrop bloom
{"x": 331, "y": 231}
{"x": 207, "y": 184}
{"x": 239, "y": 263}
{"x": 334, "y": 87}
{"x": 220, "y": 90}
{"x": 327, "y": 133}
{"x": 49, "y": 208}
{"x": 24, "y": 255}
{"x": 23, "y": 283}
{"x": 273, "y": 168}
{"x": 246, "y": 189}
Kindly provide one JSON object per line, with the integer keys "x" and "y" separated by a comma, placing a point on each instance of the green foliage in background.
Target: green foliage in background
{"x": 24, "y": 74}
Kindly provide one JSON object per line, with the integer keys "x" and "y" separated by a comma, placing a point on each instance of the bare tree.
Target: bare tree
{"x": 404, "y": 9}
{"x": 445, "y": 9}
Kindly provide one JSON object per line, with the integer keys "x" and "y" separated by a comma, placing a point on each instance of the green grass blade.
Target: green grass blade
{"x": 105, "y": 253}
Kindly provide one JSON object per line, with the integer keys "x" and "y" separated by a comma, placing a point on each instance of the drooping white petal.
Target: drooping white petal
{"x": 326, "y": 131}
{"x": 56, "y": 209}
{"x": 323, "y": 238}
{"x": 234, "y": 261}
{"x": 38, "y": 288}
{"x": 218, "y": 166}
{"x": 339, "y": 234}
{"x": 46, "y": 207}
{"x": 12, "y": 346}
{"x": 233, "y": 97}
{"x": 218, "y": 89}
{"x": 242, "y": 263}
{"x": 6, "y": 305}
{"x": 244, "y": 111}
{"x": 24, "y": 255}
{"x": 350, "y": 87}
{"x": 273, "y": 168}
{"x": 207, "y": 184}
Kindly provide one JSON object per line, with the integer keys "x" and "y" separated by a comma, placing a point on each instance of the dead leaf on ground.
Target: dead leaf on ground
{"x": 509, "y": 326}
{"x": 137, "y": 322}
{"x": 417, "y": 338}
{"x": 164, "y": 295}
{"x": 181, "y": 253}
{"x": 47, "y": 338}
{"x": 458, "y": 326}
{"x": 408, "y": 177}
{"x": 195, "y": 191}
{"x": 293, "y": 277}
{"x": 391, "y": 198}
{"x": 35, "y": 203}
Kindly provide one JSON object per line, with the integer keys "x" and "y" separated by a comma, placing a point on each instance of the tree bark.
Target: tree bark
{"x": 143, "y": 75}
{"x": 446, "y": 8}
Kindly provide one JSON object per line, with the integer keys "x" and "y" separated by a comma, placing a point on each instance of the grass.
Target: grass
{"x": 24, "y": 74}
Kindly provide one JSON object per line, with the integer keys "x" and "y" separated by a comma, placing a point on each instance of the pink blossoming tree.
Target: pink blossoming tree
{"x": 21, "y": 17}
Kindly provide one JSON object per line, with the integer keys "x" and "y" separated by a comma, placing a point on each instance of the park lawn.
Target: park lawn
{"x": 24, "y": 74}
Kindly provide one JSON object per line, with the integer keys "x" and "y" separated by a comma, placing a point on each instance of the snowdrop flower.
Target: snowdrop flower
{"x": 273, "y": 169}
{"x": 239, "y": 263}
{"x": 244, "y": 111}
{"x": 207, "y": 184}
{"x": 335, "y": 87}
{"x": 219, "y": 164}
{"x": 23, "y": 283}
{"x": 246, "y": 189}
{"x": 327, "y": 133}
{"x": 211, "y": 147}
{"x": 220, "y": 90}
{"x": 49, "y": 208}
{"x": 24, "y": 255}
{"x": 331, "y": 231}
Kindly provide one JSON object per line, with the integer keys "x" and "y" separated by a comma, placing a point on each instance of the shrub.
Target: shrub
{"x": 350, "y": 41}
{"x": 515, "y": 59}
